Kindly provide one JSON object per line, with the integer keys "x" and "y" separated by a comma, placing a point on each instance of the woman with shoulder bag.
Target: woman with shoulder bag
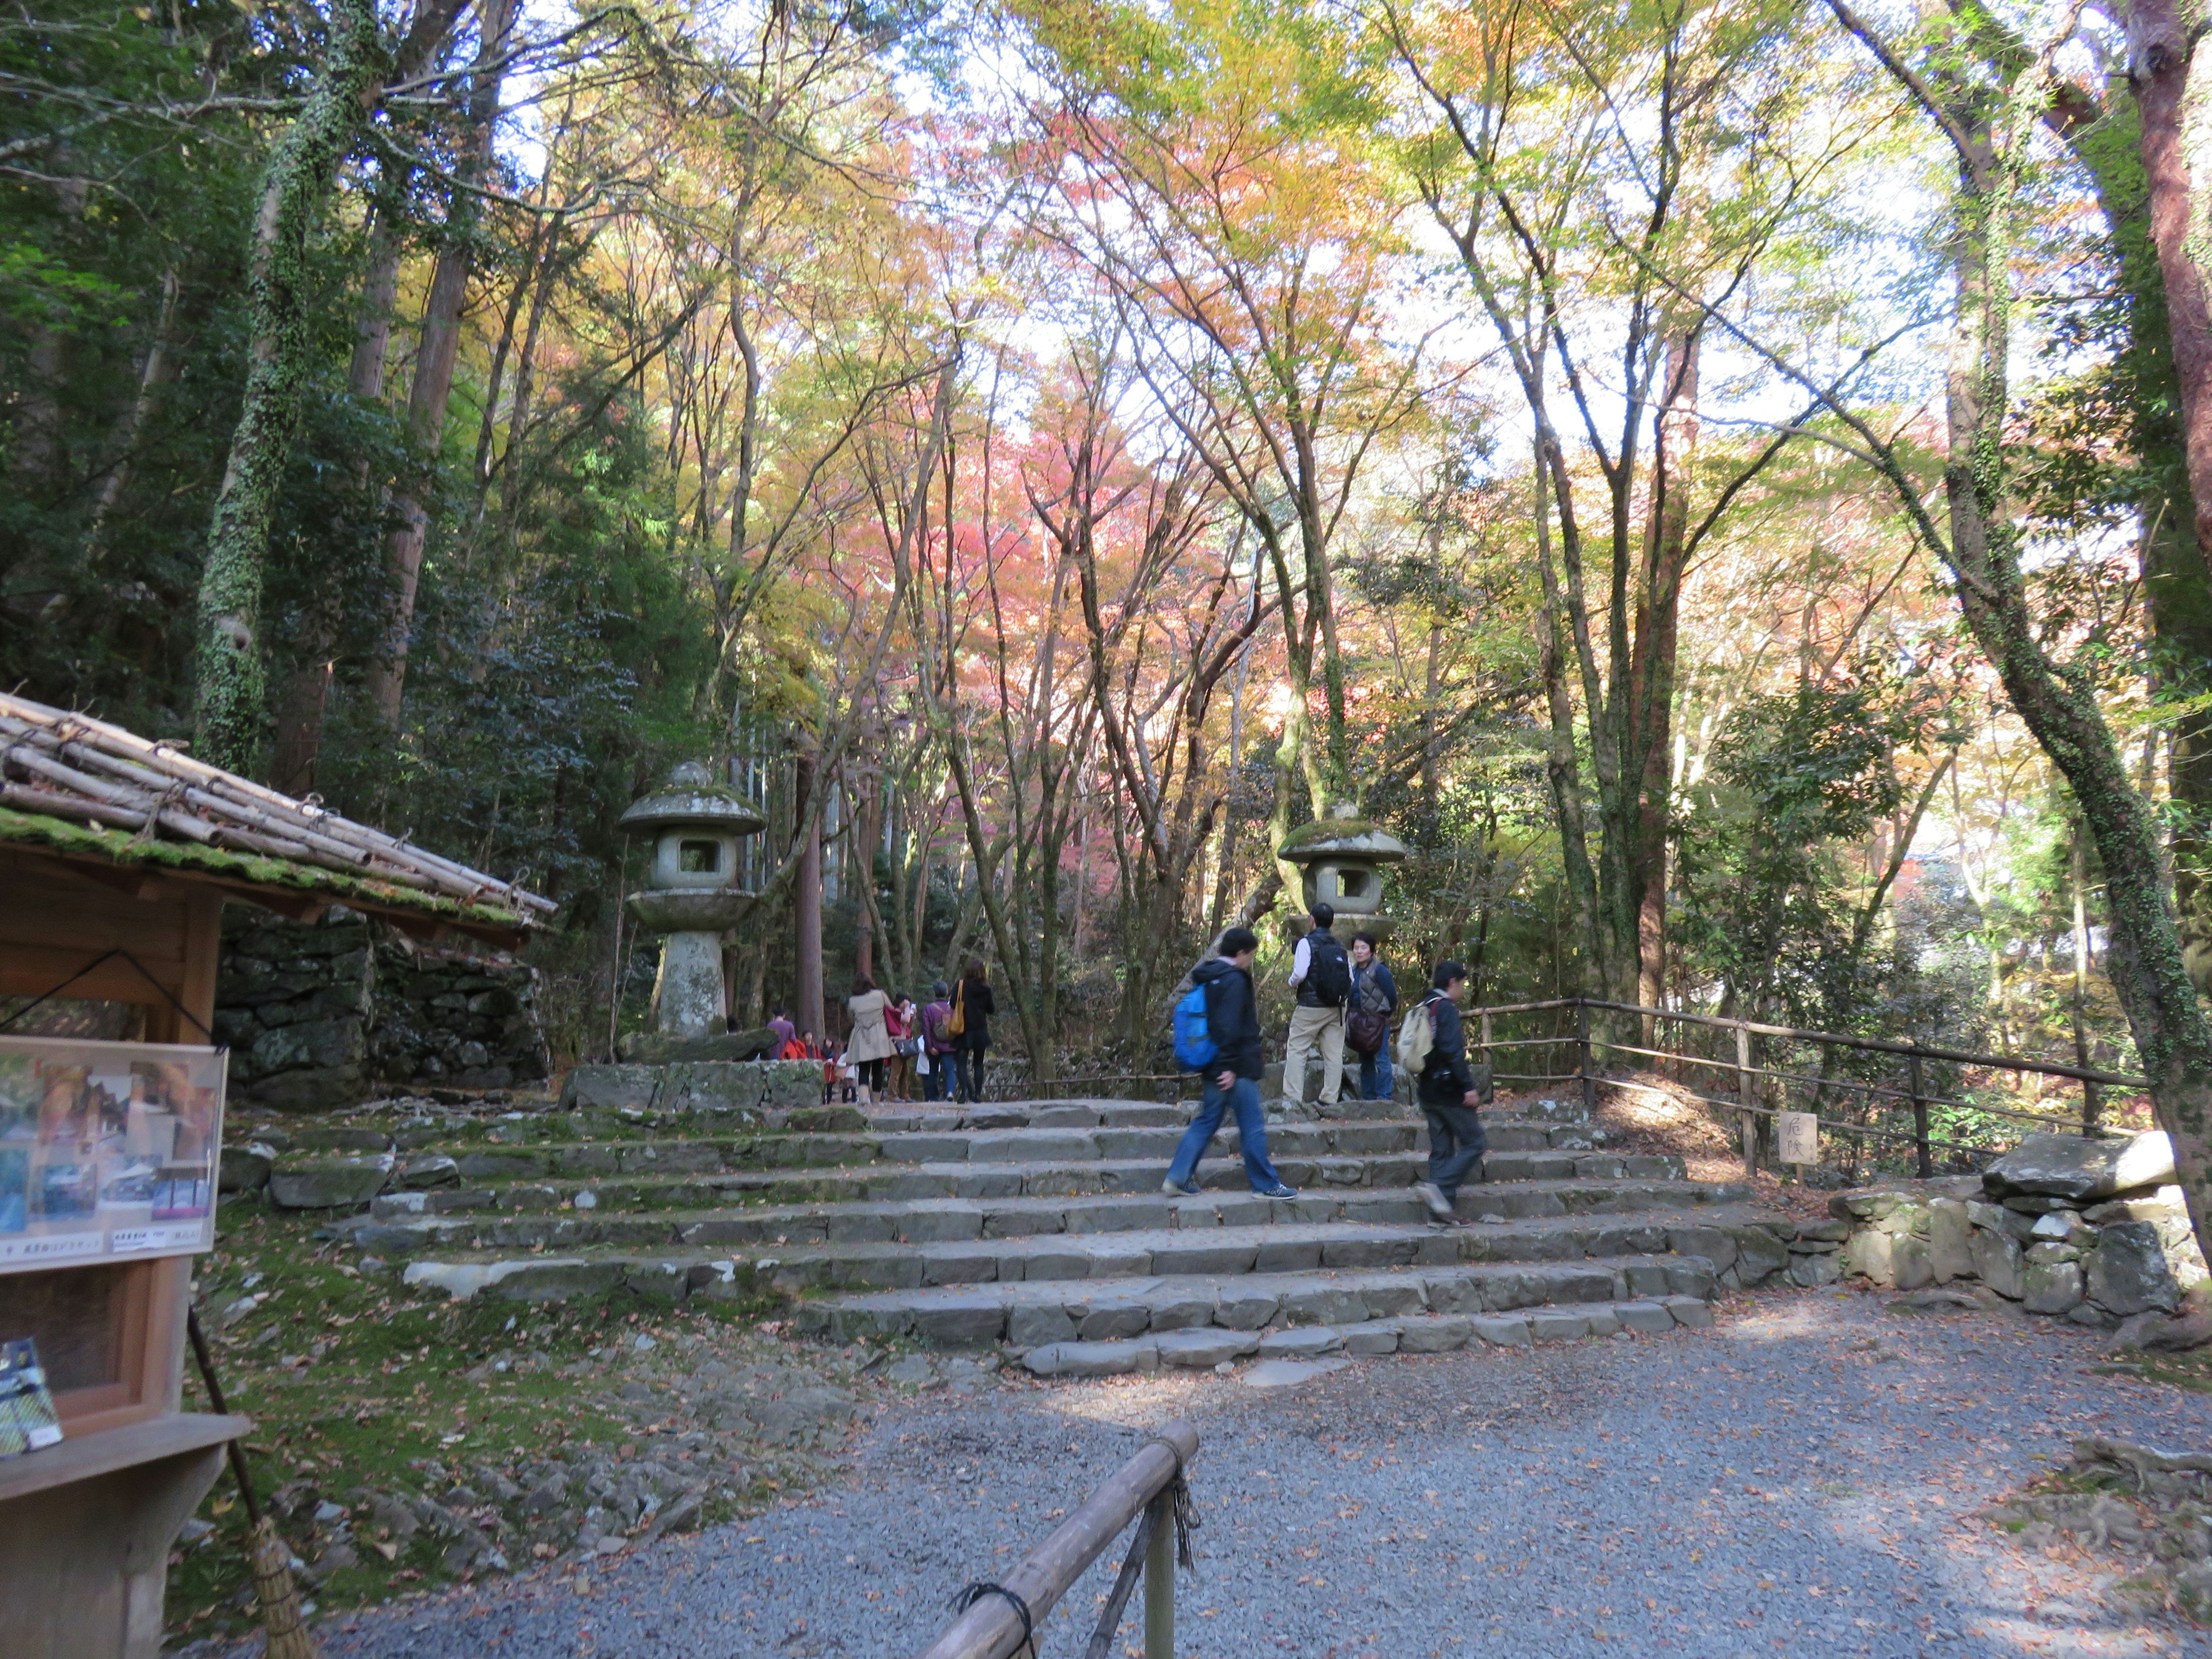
{"x": 1367, "y": 1023}
{"x": 972, "y": 1008}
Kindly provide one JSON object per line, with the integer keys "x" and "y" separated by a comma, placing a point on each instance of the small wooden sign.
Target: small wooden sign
{"x": 1798, "y": 1135}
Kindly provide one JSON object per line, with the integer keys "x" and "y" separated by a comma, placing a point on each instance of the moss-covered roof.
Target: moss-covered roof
{"x": 128, "y": 849}
{"x": 86, "y": 789}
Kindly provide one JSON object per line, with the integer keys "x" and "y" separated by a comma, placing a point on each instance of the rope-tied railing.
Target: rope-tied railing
{"x": 1001, "y": 1618}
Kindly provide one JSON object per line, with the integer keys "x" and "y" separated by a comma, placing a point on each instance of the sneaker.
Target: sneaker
{"x": 1433, "y": 1195}
{"x": 1276, "y": 1192}
{"x": 1175, "y": 1191}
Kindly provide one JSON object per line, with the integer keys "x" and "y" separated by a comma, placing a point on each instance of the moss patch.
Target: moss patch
{"x": 364, "y": 1391}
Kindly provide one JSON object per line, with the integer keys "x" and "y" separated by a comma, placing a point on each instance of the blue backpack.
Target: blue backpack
{"x": 1194, "y": 1047}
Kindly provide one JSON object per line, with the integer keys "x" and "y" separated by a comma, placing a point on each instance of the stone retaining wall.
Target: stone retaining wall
{"x": 2091, "y": 1232}
{"x": 699, "y": 1085}
{"x": 325, "y": 1014}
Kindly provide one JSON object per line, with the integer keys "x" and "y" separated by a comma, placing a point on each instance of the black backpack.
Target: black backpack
{"x": 1328, "y": 970}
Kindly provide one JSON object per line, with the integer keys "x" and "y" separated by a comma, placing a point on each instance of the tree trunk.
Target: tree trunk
{"x": 806, "y": 901}
{"x": 2137, "y": 179}
{"x": 1651, "y": 678}
{"x": 434, "y": 359}
{"x": 2174, "y": 113}
{"x": 231, "y": 682}
{"x": 2145, "y": 959}
{"x": 155, "y": 371}
{"x": 303, "y": 694}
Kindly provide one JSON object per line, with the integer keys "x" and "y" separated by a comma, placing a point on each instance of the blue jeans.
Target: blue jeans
{"x": 936, "y": 1083}
{"x": 1375, "y": 1081}
{"x": 1251, "y": 1135}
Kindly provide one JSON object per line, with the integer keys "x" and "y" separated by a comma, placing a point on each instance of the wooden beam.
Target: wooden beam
{"x": 131, "y": 882}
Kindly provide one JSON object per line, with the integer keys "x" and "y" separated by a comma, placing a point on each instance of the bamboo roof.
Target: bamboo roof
{"x": 81, "y": 787}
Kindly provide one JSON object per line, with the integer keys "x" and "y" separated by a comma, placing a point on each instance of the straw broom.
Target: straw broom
{"x": 267, "y": 1554}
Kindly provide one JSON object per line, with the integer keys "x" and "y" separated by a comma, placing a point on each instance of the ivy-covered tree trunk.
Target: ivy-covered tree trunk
{"x": 231, "y": 691}
{"x": 2058, "y": 703}
{"x": 2154, "y": 185}
{"x": 2174, "y": 109}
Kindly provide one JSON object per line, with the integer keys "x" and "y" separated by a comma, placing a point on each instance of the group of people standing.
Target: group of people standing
{"x": 1342, "y": 999}
{"x": 894, "y": 1043}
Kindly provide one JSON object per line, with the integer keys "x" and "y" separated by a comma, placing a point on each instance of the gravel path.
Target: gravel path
{"x": 1802, "y": 1480}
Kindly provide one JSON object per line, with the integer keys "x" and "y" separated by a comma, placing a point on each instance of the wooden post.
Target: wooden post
{"x": 1159, "y": 1581}
{"x": 1744, "y": 1095}
{"x": 1925, "y": 1161}
{"x": 1485, "y": 1039}
{"x": 1583, "y": 1041}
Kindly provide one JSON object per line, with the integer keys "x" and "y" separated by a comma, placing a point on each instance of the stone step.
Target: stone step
{"x": 1303, "y": 1153}
{"x": 1028, "y": 1313}
{"x": 1208, "y": 1347}
{"x": 550, "y": 1144}
{"x": 1280, "y": 1244}
{"x": 1025, "y": 1313}
{"x": 1091, "y": 1197}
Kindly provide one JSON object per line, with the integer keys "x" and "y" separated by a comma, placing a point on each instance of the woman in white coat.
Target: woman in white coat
{"x": 870, "y": 1044}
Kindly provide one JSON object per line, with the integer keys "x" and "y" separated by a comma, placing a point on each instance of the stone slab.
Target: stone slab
{"x": 1289, "y": 1373}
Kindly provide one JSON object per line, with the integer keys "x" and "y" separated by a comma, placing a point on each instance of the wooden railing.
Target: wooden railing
{"x": 1857, "y": 1088}
{"x": 1002, "y": 1618}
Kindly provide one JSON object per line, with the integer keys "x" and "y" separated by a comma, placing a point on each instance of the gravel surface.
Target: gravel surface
{"x": 1805, "y": 1479}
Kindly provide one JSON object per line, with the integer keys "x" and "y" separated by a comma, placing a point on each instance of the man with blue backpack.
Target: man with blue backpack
{"x": 1217, "y": 1035}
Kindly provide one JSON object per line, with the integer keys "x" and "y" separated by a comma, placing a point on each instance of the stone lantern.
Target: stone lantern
{"x": 690, "y": 893}
{"x": 1341, "y": 858}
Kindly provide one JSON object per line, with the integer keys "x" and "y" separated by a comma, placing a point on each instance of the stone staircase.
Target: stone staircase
{"x": 1042, "y": 1228}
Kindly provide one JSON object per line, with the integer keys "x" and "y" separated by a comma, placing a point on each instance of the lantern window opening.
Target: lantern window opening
{"x": 699, "y": 857}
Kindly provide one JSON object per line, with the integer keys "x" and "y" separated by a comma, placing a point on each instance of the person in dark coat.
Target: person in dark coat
{"x": 976, "y": 1006}
{"x": 1450, "y": 1090}
{"x": 1232, "y": 1080}
{"x": 1374, "y": 995}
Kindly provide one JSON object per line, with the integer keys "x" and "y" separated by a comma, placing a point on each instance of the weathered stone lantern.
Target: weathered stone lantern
{"x": 1341, "y": 858}
{"x": 691, "y": 893}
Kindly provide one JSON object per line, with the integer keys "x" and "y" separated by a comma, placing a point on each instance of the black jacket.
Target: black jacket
{"x": 1232, "y": 1017}
{"x": 1321, "y": 939}
{"x": 977, "y": 1006}
{"x": 1446, "y": 1076}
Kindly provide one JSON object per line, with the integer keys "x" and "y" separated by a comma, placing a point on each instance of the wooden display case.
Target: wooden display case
{"x": 86, "y": 1525}
{"x": 116, "y": 856}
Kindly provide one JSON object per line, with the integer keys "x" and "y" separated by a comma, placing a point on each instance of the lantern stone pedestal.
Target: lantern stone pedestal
{"x": 688, "y": 1066}
{"x": 690, "y": 894}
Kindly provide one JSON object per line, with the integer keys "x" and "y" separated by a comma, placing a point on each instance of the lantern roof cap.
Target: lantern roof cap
{"x": 1325, "y": 840}
{"x": 689, "y": 797}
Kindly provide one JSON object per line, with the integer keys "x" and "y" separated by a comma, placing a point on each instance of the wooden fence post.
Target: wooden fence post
{"x": 1159, "y": 1581}
{"x": 1583, "y": 1041}
{"x": 1744, "y": 1095}
{"x": 1485, "y": 1039}
{"x": 1926, "y": 1160}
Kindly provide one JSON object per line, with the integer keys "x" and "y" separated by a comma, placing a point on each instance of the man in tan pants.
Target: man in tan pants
{"x": 1321, "y": 974}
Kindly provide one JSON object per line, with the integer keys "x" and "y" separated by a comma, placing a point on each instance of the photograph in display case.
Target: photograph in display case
{"x": 107, "y": 1149}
